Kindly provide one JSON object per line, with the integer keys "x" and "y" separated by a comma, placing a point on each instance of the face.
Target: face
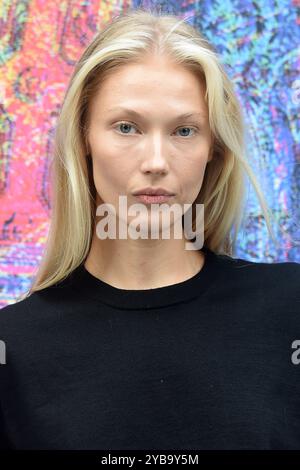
{"x": 155, "y": 147}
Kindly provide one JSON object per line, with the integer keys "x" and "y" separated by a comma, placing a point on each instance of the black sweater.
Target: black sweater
{"x": 208, "y": 363}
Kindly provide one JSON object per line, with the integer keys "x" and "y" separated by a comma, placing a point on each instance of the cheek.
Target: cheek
{"x": 110, "y": 176}
{"x": 193, "y": 168}
{"x": 191, "y": 176}
{"x": 108, "y": 161}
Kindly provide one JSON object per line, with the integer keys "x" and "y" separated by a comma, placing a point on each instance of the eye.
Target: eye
{"x": 193, "y": 128}
{"x": 124, "y": 125}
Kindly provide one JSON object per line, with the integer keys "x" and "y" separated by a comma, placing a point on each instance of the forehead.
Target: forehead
{"x": 152, "y": 85}
{"x": 137, "y": 114}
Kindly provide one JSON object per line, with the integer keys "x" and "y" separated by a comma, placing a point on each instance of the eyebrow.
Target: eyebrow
{"x": 138, "y": 115}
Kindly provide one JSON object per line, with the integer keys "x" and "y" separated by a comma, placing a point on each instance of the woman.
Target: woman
{"x": 141, "y": 342}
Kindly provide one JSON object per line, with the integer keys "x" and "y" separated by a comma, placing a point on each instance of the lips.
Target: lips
{"x": 153, "y": 192}
{"x": 154, "y": 198}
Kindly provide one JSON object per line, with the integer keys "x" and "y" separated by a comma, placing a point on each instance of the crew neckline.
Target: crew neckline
{"x": 183, "y": 291}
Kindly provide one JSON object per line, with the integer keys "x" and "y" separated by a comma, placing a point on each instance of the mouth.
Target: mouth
{"x": 154, "y": 198}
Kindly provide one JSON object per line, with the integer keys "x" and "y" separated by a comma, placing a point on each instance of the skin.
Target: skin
{"x": 154, "y": 150}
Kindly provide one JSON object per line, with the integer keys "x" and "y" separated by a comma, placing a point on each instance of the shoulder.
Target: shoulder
{"x": 36, "y": 311}
{"x": 40, "y": 311}
{"x": 14, "y": 311}
{"x": 287, "y": 273}
{"x": 272, "y": 287}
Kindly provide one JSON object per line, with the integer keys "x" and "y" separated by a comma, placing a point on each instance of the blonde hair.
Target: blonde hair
{"x": 127, "y": 39}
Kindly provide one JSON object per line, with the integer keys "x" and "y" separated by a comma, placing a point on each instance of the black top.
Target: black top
{"x": 207, "y": 363}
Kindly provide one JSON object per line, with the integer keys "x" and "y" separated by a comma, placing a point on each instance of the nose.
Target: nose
{"x": 155, "y": 158}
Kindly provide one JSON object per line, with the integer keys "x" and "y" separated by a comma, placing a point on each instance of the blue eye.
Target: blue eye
{"x": 124, "y": 124}
{"x": 128, "y": 125}
{"x": 195, "y": 130}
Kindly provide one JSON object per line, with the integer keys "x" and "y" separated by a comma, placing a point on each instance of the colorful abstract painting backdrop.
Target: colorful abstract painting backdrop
{"x": 40, "y": 42}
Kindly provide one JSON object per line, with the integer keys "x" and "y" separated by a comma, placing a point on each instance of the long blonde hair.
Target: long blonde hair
{"x": 127, "y": 39}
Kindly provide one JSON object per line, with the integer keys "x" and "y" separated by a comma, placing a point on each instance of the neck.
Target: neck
{"x": 142, "y": 263}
